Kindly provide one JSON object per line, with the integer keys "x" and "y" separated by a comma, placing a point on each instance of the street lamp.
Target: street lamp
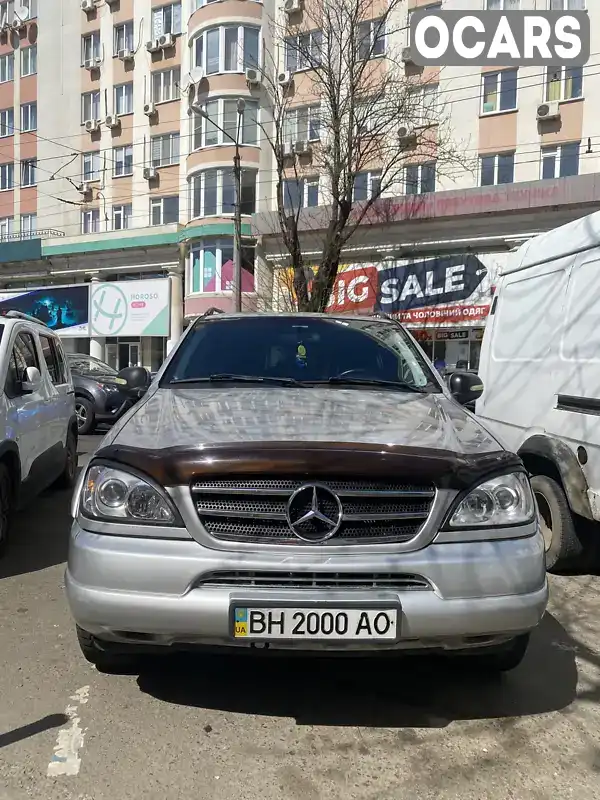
{"x": 237, "y": 182}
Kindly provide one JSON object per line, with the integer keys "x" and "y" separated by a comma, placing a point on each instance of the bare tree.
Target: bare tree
{"x": 363, "y": 119}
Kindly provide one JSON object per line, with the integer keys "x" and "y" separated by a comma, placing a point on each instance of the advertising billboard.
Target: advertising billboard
{"x": 130, "y": 308}
{"x": 65, "y": 309}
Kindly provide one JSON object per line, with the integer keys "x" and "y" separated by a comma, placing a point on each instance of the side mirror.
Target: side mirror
{"x": 32, "y": 380}
{"x": 465, "y": 387}
{"x": 136, "y": 377}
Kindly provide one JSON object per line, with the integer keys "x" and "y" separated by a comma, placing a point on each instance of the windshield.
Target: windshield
{"x": 306, "y": 350}
{"x": 88, "y": 365}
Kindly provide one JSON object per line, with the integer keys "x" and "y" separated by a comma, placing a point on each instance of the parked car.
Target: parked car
{"x": 540, "y": 362}
{"x": 38, "y": 444}
{"x": 304, "y": 482}
{"x": 102, "y": 395}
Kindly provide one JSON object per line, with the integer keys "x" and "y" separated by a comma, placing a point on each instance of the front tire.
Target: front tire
{"x": 500, "y": 658}
{"x": 6, "y": 507}
{"x": 86, "y": 418}
{"x": 563, "y": 547}
{"x": 103, "y": 660}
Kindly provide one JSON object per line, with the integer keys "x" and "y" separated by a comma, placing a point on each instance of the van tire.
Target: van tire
{"x": 500, "y": 658}
{"x": 563, "y": 547}
{"x": 103, "y": 660}
{"x": 6, "y": 507}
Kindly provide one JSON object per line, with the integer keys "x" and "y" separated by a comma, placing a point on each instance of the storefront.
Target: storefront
{"x": 125, "y": 323}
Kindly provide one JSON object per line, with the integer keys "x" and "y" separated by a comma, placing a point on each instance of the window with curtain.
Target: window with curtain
{"x": 165, "y": 150}
{"x": 211, "y": 267}
{"x": 213, "y": 192}
{"x": 227, "y": 48}
{"x": 223, "y": 120}
{"x": 564, "y": 83}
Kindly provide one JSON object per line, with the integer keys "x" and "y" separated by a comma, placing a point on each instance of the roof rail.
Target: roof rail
{"x": 210, "y": 311}
{"x": 389, "y": 317}
{"x": 12, "y": 314}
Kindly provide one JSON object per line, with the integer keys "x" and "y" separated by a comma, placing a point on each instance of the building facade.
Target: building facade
{"x": 105, "y": 164}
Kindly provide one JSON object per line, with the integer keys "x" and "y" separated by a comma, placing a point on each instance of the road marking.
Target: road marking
{"x": 69, "y": 741}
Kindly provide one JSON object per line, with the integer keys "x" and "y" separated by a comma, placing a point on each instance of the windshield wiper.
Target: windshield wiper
{"x": 341, "y": 380}
{"x": 230, "y": 376}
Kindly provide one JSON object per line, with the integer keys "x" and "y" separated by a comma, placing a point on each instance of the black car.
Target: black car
{"x": 102, "y": 394}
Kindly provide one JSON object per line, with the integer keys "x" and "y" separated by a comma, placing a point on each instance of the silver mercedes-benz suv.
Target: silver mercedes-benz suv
{"x": 308, "y": 482}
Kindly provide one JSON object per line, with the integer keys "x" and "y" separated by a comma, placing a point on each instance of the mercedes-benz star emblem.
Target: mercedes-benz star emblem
{"x": 314, "y": 513}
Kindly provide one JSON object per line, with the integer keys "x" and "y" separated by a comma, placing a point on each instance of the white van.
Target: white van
{"x": 540, "y": 367}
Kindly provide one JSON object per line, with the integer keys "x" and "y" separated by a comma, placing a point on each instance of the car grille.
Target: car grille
{"x": 316, "y": 580}
{"x": 254, "y": 510}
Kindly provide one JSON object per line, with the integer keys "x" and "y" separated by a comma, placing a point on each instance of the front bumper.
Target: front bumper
{"x": 128, "y": 589}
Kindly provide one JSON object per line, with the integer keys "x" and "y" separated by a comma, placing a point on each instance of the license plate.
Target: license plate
{"x": 331, "y": 624}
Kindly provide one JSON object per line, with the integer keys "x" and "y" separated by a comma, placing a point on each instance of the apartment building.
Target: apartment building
{"x": 107, "y": 173}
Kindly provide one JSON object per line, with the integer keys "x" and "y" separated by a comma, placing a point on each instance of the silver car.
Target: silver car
{"x": 304, "y": 482}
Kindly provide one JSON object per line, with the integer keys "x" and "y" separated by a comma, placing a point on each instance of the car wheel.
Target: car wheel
{"x": 6, "y": 507}
{"x": 562, "y": 544}
{"x": 103, "y": 660}
{"x": 499, "y": 658}
{"x": 85, "y": 415}
{"x": 68, "y": 476}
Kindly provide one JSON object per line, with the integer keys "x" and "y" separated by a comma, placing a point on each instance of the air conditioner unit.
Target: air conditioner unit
{"x": 549, "y": 110}
{"x": 406, "y": 134}
{"x": 85, "y": 187}
{"x": 284, "y": 78}
{"x": 112, "y": 121}
{"x": 292, "y": 6}
{"x": 166, "y": 40}
{"x": 153, "y": 46}
{"x": 287, "y": 149}
{"x": 149, "y": 109}
{"x": 87, "y": 5}
{"x": 111, "y": 2}
{"x": 150, "y": 173}
{"x": 407, "y": 56}
{"x": 92, "y": 63}
{"x": 253, "y": 76}
{"x": 92, "y": 125}
{"x": 126, "y": 54}
{"x": 18, "y": 24}
{"x": 302, "y": 147}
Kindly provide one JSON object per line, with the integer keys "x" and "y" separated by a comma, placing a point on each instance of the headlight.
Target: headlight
{"x": 112, "y": 494}
{"x": 109, "y": 387}
{"x": 506, "y": 500}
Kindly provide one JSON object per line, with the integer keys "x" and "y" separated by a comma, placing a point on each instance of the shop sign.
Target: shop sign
{"x": 451, "y": 335}
{"x": 478, "y": 334}
{"x": 354, "y": 289}
{"x": 130, "y": 308}
{"x": 64, "y": 309}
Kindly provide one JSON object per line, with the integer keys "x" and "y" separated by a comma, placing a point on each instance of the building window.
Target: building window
{"x": 123, "y": 103}
{"x": 303, "y": 51}
{"x": 90, "y": 106}
{"x": 7, "y": 176}
{"x": 164, "y": 210}
{"x": 499, "y": 91}
{"x": 165, "y": 85}
{"x": 7, "y": 67}
{"x": 497, "y": 169}
{"x": 211, "y": 267}
{"x": 90, "y": 221}
{"x": 564, "y": 83}
{"x": 228, "y": 48}
{"x": 90, "y": 166}
{"x": 561, "y": 161}
{"x": 420, "y": 178}
{"x": 28, "y": 170}
{"x": 424, "y": 103}
{"x": 165, "y": 150}
{"x": 371, "y": 39}
{"x": 7, "y": 227}
{"x": 302, "y": 124}
{"x": 503, "y": 5}
{"x": 90, "y": 48}
{"x": 302, "y": 193}
{"x": 29, "y": 61}
{"x": 567, "y": 5}
{"x": 7, "y": 122}
{"x": 367, "y": 186}
{"x": 31, "y": 6}
{"x": 166, "y": 19}
{"x": 222, "y": 125}
{"x": 28, "y": 225}
{"x": 432, "y": 9}
{"x": 122, "y": 217}
{"x": 123, "y": 161}
{"x": 123, "y": 37}
{"x": 28, "y": 117}
{"x": 213, "y": 192}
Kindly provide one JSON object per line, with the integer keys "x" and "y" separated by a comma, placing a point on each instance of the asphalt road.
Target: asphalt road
{"x": 226, "y": 729}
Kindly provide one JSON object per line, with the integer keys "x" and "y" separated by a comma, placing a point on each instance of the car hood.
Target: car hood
{"x": 198, "y": 417}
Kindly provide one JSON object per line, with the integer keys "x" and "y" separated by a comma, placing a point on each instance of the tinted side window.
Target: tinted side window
{"x": 61, "y": 367}
{"x": 25, "y": 348}
{"x": 11, "y": 387}
{"x": 50, "y": 358}
{"x": 23, "y": 355}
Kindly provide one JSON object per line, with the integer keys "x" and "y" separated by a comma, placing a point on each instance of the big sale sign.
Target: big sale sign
{"x": 354, "y": 289}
